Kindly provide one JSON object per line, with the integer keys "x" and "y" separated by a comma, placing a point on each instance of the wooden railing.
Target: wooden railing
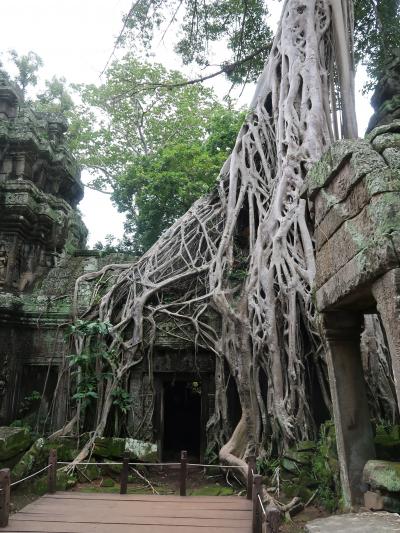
{"x": 269, "y": 515}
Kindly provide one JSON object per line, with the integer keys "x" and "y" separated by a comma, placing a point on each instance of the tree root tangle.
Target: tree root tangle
{"x": 254, "y": 225}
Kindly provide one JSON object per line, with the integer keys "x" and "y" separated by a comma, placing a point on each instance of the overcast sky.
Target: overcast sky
{"x": 75, "y": 38}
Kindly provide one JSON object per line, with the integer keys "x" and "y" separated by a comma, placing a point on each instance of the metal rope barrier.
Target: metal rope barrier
{"x": 214, "y": 466}
{"x": 29, "y": 477}
{"x": 262, "y": 505}
{"x": 85, "y": 464}
{"x": 149, "y": 464}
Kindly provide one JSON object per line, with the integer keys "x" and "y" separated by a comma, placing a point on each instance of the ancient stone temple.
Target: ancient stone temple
{"x": 42, "y": 253}
{"x": 40, "y": 188}
{"x": 354, "y": 196}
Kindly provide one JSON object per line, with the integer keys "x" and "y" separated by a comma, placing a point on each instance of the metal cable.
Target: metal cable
{"x": 149, "y": 464}
{"x": 262, "y": 505}
{"x": 154, "y": 464}
{"x": 29, "y": 477}
{"x": 84, "y": 464}
{"x": 214, "y": 466}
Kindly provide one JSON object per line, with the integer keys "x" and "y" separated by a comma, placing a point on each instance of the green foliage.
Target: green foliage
{"x": 91, "y": 365}
{"x": 377, "y": 33}
{"x": 56, "y": 98}
{"x": 29, "y": 402}
{"x": 27, "y": 66}
{"x": 325, "y": 468}
{"x": 84, "y": 328}
{"x": 122, "y": 399}
{"x": 157, "y": 148}
{"x": 94, "y": 364}
{"x": 242, "y": 25}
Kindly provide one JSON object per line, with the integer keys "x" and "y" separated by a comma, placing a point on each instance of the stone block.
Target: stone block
{"x": 373, "y": 501}
{"x": 36, "y": 456}
{"x": 364, "y": 267}
{"x": 340, "y": 212}
{"x": 386, "y": 140}
{"x": 382, "y": 180}
{"x": 368, "y": 522}
{"x": 13, "y": 441}
{"x": 385, "y": 128}
{"x": 370, "y": 233}
{"x": 382, "y": 475}
{"x": 116, "y": 447}
{"x": 359, "y": 158}
{"x": 392, "y": 157}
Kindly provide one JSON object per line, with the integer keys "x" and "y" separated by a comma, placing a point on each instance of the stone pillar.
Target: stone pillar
{"x": 6, "y": 168}
{"x": 354, "y": 435}
{"x": 386, "y": 291}
{"x": 20, "y": 165}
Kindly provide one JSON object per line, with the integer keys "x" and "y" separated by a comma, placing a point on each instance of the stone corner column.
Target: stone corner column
{"x": 386, "y": 291}
{"x": 354, "y": 437}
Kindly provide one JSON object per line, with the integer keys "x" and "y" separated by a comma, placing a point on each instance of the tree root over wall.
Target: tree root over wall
{"x": 255, "y": 220}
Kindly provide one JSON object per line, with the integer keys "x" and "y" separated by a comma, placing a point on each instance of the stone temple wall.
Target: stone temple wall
{"x": 40, "y": 188}
{"x": 42, "y": 253}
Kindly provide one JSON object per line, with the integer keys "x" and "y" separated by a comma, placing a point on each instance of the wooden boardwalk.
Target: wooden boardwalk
{"x": 79, "y": 512}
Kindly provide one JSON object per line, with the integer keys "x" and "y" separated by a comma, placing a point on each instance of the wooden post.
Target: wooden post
{"x": 52, "y": 472}
{"x": 4, "y": 496}
{"x": 251, "y": 461}
{"x": 273, "y": 519}
{"x": 183, "y": 473}
{"x": 257, "y": 521}
{"x": 124, "y": 474}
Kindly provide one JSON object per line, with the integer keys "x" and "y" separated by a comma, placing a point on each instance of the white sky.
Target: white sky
{"x": 75, "y": 38}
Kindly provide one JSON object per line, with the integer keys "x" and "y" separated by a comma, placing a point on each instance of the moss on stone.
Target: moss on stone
{"x": 13, "y": 441}
{"x": 116, "y": 447}
{"x": 382, "y": 475}
{"x": 386, "y": 140}
{"x": 394, "y": 126}
{"x": 382, "y": 180}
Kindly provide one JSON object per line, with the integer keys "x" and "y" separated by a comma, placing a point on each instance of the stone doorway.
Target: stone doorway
{"x": 181, "y": 416}
{"x": 182, "y": 419}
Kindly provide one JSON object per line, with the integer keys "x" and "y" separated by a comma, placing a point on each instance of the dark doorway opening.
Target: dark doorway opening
{"x": 182, "y": 419}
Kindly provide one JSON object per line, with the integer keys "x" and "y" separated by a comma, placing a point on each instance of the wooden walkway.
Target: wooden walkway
{"x": 79, "y": 512}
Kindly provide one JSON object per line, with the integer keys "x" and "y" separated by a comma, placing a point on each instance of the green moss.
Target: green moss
{"x": 107, "y": 482}
{"x": 212, "y": 490}
{"x": 325, "y": 468}
{"x": 13, "y": 441}
{"x": 383, "y": 475}
{"x": 386, "y": 140}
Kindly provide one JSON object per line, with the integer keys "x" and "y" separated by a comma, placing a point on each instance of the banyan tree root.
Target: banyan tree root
{"x": 244, "y": 253}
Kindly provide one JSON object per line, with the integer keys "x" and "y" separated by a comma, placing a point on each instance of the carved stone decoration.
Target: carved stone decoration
{"x": 39, "y": 189}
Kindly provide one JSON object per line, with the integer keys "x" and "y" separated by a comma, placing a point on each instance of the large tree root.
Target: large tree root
{"x": 244, "y": 253}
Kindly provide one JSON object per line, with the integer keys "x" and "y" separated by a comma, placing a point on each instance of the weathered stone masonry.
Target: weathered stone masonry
{"x": 42, "y": 241}
{"x": 355, "y": 195}
{"x": 40, "y": 188}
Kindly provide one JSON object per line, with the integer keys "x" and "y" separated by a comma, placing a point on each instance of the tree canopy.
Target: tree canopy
{"x": 243, "y": 25}
{"x": 154, "y": 149}
{"x": 157, "y": 150}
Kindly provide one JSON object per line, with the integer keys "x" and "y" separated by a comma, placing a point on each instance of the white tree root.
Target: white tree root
{"x": 254, "y": 222}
